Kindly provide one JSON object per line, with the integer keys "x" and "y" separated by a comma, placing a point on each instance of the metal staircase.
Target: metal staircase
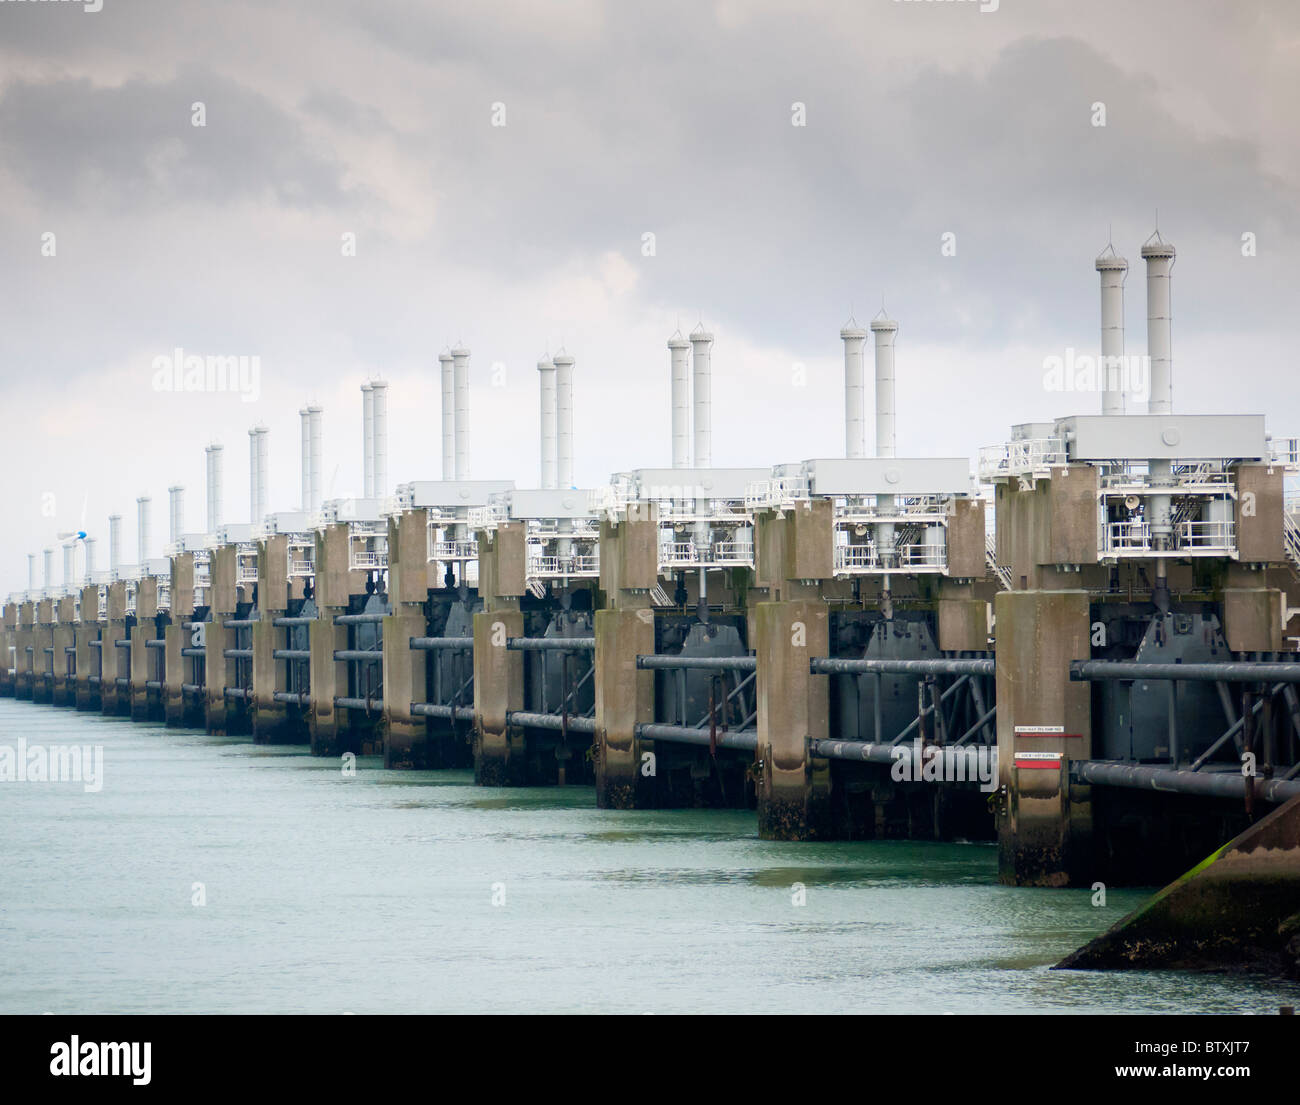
{"x": 991, "y": 556}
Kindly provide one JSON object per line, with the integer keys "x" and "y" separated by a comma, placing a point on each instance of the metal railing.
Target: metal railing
{"x": 1190, "y": 538}
{"x": 913, "y": 557}
{"x": 1033, "y": 456}
{"x": 587, "y": 565}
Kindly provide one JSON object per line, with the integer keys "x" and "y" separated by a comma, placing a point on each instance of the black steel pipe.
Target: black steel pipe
{"x": 823, "y": 665}
{"x": 359, "y": 655}
{"x": 702, "y": 663}
{"x": 293, "y": 621}
{"x": 155, "y": 642}
{"x": 860, "y": 751}
{"x": 194, "y": 652}
{"x": 431, "y": 643}
{"x": 191, "y": 688}
{"x": 550, "y": 721}
{"x": 551, "y": 644}
{"x": 237, "y": 653}
{"x": 237, "y": 623}
{"x": 1228, "y": 671}
{"x": 291, "y": 654}
{"x": 366, "y": 704}
{"x": 433, "y": 709}
{"x": 291, "y": 698}
{"x": 1217, "y": 784}
{"x": 358, "y": 619}
{"x": 743, "y": 740}
{"x": 237, "y": 692}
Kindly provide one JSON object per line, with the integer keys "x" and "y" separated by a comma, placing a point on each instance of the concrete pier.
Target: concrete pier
{"x": 42, "y": 656}
{"x": 406, "y": 736}
{"x": 793, "y": 704}
{"x": 499, "y": 748}
{"x": 8, "y": 647}
{"x": 626, "y": 767}
{"x": 1044, "y": 722}
{"x": 273, "y": 720}
{"x": 63, "y": 690}
{"x": 113, "y": 659}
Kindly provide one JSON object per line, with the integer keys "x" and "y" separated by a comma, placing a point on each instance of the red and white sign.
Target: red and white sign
{"x": 1039, "y": 761}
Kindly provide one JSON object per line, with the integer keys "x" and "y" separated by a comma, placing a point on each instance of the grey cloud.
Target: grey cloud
{"x": 133, "y": 147}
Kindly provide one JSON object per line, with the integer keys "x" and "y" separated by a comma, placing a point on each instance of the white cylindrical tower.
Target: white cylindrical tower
{"x": 549, "y": 459}
{"x": 90, "y": 559}
{"x": 367, "y": 439}
{"x": 460, "y": 367}
{"x": 114, "y": 543}
{"x": 447, "y": 365}
{"x": 257, "y": 472}
{"x": 49, "y": 568}
{"x": 214, "y": 452}
{"x": 702, "y": 386}
{"x": 175, "y": 513}
{"x": 564, "y": 420}
{"x": 1113, "y": 269}
{"x": 69, "y": 564}
{"x": 31, "y": 571}
{"x": 317, "y": 458}
{"x": 379, "y": 438}
{"x": 142, "y": 535}
{"x": 304, "y": 417}
{"x": 679, "y": 354}
{"x": 1159, "y": 256}
{"x": 855, "y": 391}
{"x": 885, "y": 330}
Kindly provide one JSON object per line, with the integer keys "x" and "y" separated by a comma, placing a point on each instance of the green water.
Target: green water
{"x": 374, "y": 894}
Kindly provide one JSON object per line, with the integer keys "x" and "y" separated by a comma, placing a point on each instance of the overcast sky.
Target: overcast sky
{"x": 376, "y": 120}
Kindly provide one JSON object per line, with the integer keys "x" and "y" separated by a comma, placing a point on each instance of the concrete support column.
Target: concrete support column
{"x": 173, "y": 697}
{"x": 63, "y": 692}
{"x": 329, "y": 678}
{"x": 42, "y": 638}
{"x": 499, "y": 751}
{"x": 8, "y": 644}
{"x": 406, "y": 737}
{"x": 498, "y": 689}
{"x": 629, "y": 569}
{"x": 625, "y": 697}
{"x": 112, "y": 663}
{"x": 143, "y": 667}
{"x": 143, "y": 664}
{"x": 65, "y": 637}
{"x": 111, "y": 658}
{"x": 23, "y": 638}
{"x": 220, "y": 673}
{"x": 793, "y": 709}
{"x": 87, "y": 630}
{"x": 1044, "y": 721}
{"x": 272, "y": 720}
